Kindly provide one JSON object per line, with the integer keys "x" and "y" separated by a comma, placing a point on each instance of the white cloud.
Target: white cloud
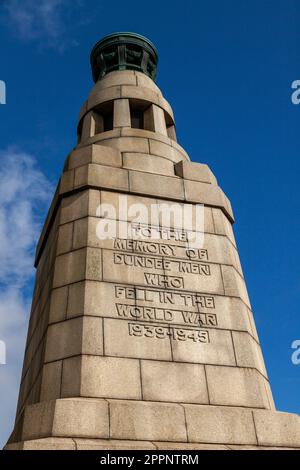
{"x": 13, "y": 327}
{"x": 23, "y": 192}
{"x": 42, "y": 20}
{"x": 24, "y": 196}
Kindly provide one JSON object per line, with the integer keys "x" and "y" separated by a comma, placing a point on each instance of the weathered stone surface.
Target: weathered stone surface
{"x": 58, "y": 304}
{"x": 58, "y": 443}
{"x": 220, "y": 425}
{"x": 147, "y": 421}
{"x": 187, "y": 446}
{"x": 121, "y": 113}
{"x": 248, "y": 385}
{"x": 208, "y": 194}
{"x": 66, "y": 182}
{"x": 159, "y": 186}
{"x": 48, "y": 443}
{"x": 142, "y": 133}
{"x": 128, "y": 144}
{"x": 195, "y": 172}
{"x": 277, "y": 429}
{"x": 89, "y": 126}
{"x": 248, "y": 352}
{"x": 80, "y": 418}
{"x": 178, "y": 220}
{"x": 38, "y": 420}
{"x": 142, "y": 162}
{"x": 100, "y": 138}
{"x": 82, "y": 335}
{"x": 121, "y": 341}
{"x": 113, "y": 444}
{"x": 222, "y": 226}
{"x": 51, "y": 381}
{"x": 173, "y": 382}
{"x": 234, "y": 284}
{"x": 101, "y": 176}
{"x": 107, "y": 94}
{"x": 120, "y": 77}
{"x": 65, "y": 239}
{"x": 165, "y": 150}
{"x": 99, "y": 154}
{"x": 66, "y": 418}
{"x": 74, "y": 207}
{"x": 110, "y": 377}
{"x": 140, "y": 93}
{"x": 127, "y": 207}
{"x": 77, "y": 299}
{"x": 213, "y": 348}
{"x": 70, "y": 268}
{"x": 71, "y": 377}
{"x": 154, "y": 119}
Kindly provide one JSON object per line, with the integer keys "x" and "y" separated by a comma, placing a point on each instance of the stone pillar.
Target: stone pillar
{"x": 92, "y": 125}
{"x": 122, "y": 113}
{"x": 142, "y": 340}
{"x": 154, "y": 120}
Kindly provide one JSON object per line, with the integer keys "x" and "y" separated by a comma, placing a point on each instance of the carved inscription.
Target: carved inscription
{"x": 162, "y": 249}
{"x": 184, "y": 299}
{"x": 166, "y": 315}
{"x": 151, "y": 262}
{"x": 161, "y": 280}
{"x": 144, "y": 231}
{"x": 164, "y": 301}
{"x": 162, "y": 332}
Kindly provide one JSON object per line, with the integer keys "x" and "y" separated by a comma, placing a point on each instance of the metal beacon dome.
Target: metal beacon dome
{"x": 124, "y": 51}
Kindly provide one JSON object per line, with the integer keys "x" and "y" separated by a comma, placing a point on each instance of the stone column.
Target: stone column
{"x": 122, "y": 113}
{"x": 154, "y": 120}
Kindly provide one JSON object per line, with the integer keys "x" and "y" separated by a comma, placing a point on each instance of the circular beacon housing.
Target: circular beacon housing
{"x": 124, "y": 51}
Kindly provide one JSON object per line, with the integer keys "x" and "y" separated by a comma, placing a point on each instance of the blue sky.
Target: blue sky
{"x": 227, "y": 68}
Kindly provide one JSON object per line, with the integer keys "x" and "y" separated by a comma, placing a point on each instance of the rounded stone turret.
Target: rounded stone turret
{"x": 126, "y": 110}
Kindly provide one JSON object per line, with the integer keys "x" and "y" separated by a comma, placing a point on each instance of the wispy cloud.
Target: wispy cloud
{"x": 42, "y": 21}
{"x": 24, "y": 195}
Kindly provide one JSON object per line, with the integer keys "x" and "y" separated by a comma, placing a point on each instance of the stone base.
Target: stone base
{"x": 85, "y": 423}
{"x": 57, "y": 443}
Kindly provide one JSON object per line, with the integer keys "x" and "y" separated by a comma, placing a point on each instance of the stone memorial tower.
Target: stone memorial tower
{"x": 141, "y": 334}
